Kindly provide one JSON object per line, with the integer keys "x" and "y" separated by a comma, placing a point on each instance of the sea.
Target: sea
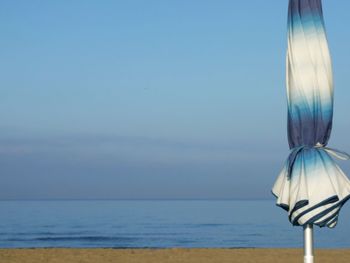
{"x": 158, "y": 224}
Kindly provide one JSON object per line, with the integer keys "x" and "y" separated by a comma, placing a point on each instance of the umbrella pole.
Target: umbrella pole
{"x": 308, "y": 244}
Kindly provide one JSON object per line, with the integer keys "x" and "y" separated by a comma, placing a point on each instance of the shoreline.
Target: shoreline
{"x": 168, "y": 255}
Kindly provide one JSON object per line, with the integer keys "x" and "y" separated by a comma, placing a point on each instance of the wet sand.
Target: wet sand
{"x": 172, "y": 255}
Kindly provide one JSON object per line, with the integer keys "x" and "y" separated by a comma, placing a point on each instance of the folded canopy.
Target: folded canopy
{"x": 311, "y": 186}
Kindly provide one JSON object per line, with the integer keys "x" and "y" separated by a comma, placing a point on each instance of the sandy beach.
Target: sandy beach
{"x": 173, "y": 255}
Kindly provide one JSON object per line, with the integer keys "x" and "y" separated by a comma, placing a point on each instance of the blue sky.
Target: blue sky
{"x": 151, "y": 99}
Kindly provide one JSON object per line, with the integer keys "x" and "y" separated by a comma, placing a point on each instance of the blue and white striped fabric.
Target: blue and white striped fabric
{"x": 311, "y": 186}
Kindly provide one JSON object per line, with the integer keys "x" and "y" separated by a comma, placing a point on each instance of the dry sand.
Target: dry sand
{"x": 173, "y": 255}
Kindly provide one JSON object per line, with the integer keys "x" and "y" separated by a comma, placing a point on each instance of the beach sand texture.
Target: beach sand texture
{"x": 172, "y": 255}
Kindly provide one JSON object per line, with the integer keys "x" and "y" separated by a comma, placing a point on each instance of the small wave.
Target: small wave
{"x": 72, "y": 238}
{"x": 46, "y": 233}
{"x": 206, "y": 225}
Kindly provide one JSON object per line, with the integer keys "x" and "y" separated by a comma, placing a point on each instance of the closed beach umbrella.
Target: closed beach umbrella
{"x": 311, "y": 187}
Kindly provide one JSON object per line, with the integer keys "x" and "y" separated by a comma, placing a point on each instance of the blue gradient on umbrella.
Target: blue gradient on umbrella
{"x": 309, "y": 119}
{"x": 310, "y": 159}
{"x": 309, "y": 126}
{"x": 308, "y": 21}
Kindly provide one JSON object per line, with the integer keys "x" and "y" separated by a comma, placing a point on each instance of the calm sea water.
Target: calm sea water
{"x": 160, "y": 224}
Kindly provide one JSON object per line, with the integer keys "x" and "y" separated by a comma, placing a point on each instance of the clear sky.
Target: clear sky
{"x": 151, "y": 99}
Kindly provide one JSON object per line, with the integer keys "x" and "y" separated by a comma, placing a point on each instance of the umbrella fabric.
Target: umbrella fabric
{"x": 311, "y": 186}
